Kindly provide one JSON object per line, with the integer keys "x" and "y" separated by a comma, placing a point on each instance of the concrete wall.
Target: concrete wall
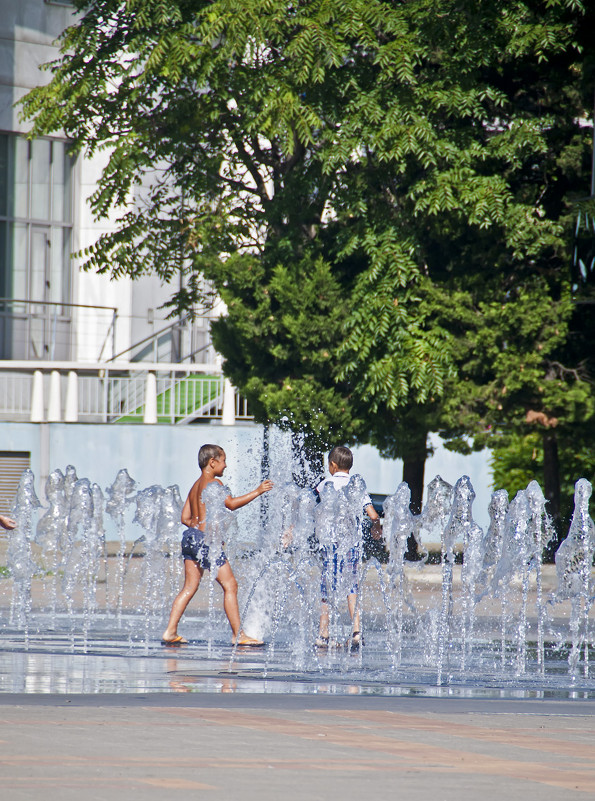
{"x": 166, "y": 455}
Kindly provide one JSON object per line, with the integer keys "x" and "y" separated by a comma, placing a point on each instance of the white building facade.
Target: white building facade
{"x": 75, "y": 346}
{"x": 50, "y": 308}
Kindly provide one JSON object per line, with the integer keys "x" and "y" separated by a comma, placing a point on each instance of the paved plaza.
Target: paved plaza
{"x": 113, "y": 715}
{"x": 290, "y": 747}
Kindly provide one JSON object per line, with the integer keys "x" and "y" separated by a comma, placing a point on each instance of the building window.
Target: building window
{"x": 12, "y": 464}
{"x": 35, "y": 218}
{"x": 36, "y": 179}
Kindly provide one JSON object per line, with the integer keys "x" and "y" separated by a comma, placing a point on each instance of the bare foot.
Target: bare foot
{"x": 244, "y": 639}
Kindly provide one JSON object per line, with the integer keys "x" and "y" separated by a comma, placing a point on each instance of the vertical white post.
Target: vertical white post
{"x": 228, "y": 413}
{"x": 104, "y": 375}
{"x": 55, "y": 400}
{"x": 150, "y": 416}
{"x": 37, "y": 398}
{"x": 44, "y": 453}
{"x": 71, "y": 410}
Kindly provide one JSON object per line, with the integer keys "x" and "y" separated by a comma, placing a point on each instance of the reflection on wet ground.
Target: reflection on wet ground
{"x": 122, "y": 660}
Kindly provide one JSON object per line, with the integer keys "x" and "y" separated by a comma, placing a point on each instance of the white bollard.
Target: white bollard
{"x": 150, "y": 416}
{"x": 55, "y": 400}
{"x": 71, "y": 410}
{"x": 37, "y": 398}
{"x": 228, "y": 413}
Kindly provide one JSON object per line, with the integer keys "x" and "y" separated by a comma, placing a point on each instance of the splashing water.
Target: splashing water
{"x": 19, "y": 556}
{"x": 500, "y": 616}
{"x": 399, "y": 524}
{"x": 574, "y": 559}
{"x": 51, "y": 529}
{"x": 119, "y": 495}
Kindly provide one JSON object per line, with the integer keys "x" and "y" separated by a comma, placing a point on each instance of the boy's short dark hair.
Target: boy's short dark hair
{"x": 208, "y": 452}
{"x": 342, "y": 457}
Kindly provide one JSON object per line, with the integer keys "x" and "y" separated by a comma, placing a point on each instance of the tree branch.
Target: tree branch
{"x": 578, "y": 373}
{"x": 251, "y": 167}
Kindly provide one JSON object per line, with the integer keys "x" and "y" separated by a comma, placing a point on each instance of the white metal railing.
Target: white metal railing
{"x": 241, "y": 408}
{"x": 44, "y": 330}
{"x": 125, "y": 392}
{"x": 178, "y": 400}
{"x": 184, "y": 340}
{"x": 125, "y": 395}
{"x": 15, "y": 394}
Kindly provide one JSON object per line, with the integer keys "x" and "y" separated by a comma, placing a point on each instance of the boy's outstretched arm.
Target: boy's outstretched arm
{"x": 237, "y": 503}
{"x": 374, "y": 517}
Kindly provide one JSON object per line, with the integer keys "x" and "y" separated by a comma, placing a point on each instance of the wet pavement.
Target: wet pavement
{"x": 112, "y": 716}
{"x": 104, "y": 711}
{"x": 61, "y": 657}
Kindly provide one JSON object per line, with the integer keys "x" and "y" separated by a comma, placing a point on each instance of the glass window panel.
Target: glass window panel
{"x": 4, "y": 176}
{"x": 39, "y": 259}
{"x": 68, "y": 175}
{"x": 57, "y": 181}
{"x": 66, "y": 263}
{"x": 5, "y": 307}
{"x": 40, "y": 179}
{"x": 19, "y": 260}
{"x": 5, "y": 261}
{"x": 62, "y": 166}
{"x": 59, "y": 278}
{"x": 54, "y": 292}
{"x": 21, "y": 177}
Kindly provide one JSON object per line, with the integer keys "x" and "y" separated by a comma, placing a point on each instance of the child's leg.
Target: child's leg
{"x": 228, "y": 582}
{"x": 323, "y": 628}
{"x": 353, "y": 611}
{"x": 192, "y": 576}
{"x": 324, "y": 620}
{"x": 353, "y": 563}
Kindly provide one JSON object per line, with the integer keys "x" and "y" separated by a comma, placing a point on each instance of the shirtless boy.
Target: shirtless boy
{"x": 197, "y": 559}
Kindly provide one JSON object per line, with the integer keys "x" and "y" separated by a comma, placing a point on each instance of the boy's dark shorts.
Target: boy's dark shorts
{"x": 195, "y": 549}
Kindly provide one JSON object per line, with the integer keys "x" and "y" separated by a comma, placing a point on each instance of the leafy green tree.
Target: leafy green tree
{"x": 263, "y": 119}
{"x": 519, "y": 352}
{"x": 364, "y": 183}
{"x": 530, "y": 365}
{"x": 518, "y": 458}
{"x": 290, "y": 315}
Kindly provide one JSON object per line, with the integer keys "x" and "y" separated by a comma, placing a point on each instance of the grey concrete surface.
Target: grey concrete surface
{"x": 111, "y": 714}
{"x": 290, "y": 747}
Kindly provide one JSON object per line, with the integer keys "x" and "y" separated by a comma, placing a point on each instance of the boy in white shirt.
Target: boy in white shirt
{"x": 340, "y": 462}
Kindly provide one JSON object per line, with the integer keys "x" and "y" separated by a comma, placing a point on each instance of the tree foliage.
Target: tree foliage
{"x": 381, "y": 192}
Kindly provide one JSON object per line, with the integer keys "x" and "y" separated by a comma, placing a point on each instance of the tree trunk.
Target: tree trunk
{"x": 414, "y": 463}
{"x": 307, "y": 462}
{"x": 413, "y": 474}
{"x": 551, "y": 489}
